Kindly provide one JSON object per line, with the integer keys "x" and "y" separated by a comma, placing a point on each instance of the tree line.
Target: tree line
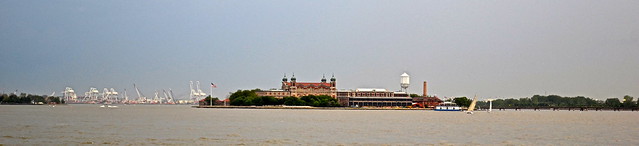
{"x": 249, "y": 98}
{"x": 559, "y": 101}
{"x": 25, "y": 98}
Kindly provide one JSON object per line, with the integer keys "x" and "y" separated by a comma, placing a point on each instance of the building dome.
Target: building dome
{"x": 293, "y": 78}
{"x": 284, "y": 79}
{"x": 323, "y": 79}
{"x": 333, "y": 78}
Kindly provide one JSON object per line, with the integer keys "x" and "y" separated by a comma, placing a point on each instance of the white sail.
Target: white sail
{"x": 471, "y": 108}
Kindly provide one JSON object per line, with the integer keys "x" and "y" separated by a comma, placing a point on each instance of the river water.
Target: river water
{"x": 183, "y": 125}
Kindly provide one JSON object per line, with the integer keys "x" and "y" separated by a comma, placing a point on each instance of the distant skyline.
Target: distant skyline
{"x": 494, "y": 49}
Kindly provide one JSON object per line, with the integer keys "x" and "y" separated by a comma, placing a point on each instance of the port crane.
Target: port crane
{"x": 69, "y": 94}
{"x": 168, "y": 98}
{"x": 171, "y": 96}
{"x": 156, "y": 99}
{"x": 91, "y": 95}
{"x": 109, "y": 95}
{"x": 196, "y": 93}
{"x": 126, "y": 97}
{"x": 141, "y": 97}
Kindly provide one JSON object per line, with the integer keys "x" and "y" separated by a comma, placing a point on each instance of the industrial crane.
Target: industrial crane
{"x": 171, "y": 96}
{"x": 126, "y": 97}
{"x": 156, "y": 99}
{"x": 141, "y": 97}
{"x": 196, "y": 93}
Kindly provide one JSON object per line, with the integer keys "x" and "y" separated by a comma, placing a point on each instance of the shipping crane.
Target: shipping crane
{"x": 156, "y": 99}
{"x": 91, "y": 95}
{"x": 69, "y": 94}
{"x": 126, "y": 97}
{"x": 141, "y": 97}
{"x": 196, "y": 93}
{"x": 166, "y": 96}
{"x": 172, "y": 100}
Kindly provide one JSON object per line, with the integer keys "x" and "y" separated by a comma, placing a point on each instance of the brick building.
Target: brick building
{"x": 299, "y": 89}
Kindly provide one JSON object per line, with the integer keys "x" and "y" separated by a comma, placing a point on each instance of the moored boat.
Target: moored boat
{"x": 447, "y": 106}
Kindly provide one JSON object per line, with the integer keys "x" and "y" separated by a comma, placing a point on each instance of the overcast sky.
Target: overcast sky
{"x": 493, "y": 49}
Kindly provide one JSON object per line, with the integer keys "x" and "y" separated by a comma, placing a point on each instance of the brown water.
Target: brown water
{"x": 183, "y": 125}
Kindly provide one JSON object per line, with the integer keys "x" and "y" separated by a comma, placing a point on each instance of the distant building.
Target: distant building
{"x": 426, "y": 101}
{"x": 373, "y": 97}
{"x": 299, "y": 89}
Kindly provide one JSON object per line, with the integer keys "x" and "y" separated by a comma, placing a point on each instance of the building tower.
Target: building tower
{"x": 404, "y": 82}
{"x": 323, "y": 79}
{"x": 333, "y": 83}
{"x": 425, "y": 89}
{"x": 293, "y": 80}
{"x": 284, "y": 79}
{"x": 284, "y": 82}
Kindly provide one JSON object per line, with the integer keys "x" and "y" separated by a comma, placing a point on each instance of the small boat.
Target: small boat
{"x": 108, "y": 106}
{"x": 447, "y": 106}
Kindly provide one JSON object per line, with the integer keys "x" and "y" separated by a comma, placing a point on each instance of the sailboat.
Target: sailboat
{"x": 471, "y": 108}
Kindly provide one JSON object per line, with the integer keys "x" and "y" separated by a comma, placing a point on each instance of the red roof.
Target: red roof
{"x": 309, "y": 85}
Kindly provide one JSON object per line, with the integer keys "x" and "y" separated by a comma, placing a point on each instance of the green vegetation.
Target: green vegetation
{"x": 612, "y": 102}
{"x": 558, "y": 101}
{"x": 462, "y": 101}
{"x": 413, "y": 95}
{"x": 627, "y": 101}
{"x": 320, "y": 101}
{"x": 249, "y": 97}
{"x": 208, "y": 100}
{"x": 25, "y": 98}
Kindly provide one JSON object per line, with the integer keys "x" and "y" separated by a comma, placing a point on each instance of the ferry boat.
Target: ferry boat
{"x": 447, "y": 106}
{"x": 109, "y": 106}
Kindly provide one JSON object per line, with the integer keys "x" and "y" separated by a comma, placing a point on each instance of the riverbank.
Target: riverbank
{"x": 310, "y": 107}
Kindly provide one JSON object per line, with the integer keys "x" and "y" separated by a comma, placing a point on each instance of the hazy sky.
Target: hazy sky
{"x": 490, "y": 48}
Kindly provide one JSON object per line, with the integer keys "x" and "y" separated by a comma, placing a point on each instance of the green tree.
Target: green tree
{"x": 270, "y": 100}
{"x": 208, "y": 100}
{"x": 320, "y": 101}
{"x": 292, "y": 101}
{"x": 414, "y": 95}
{"x": 14, "y": 98}
{"x": 237, "y": 101}
{"x": 462, "y": 101}
{"x": 255, "y": 100}
{"x": 55, "y": 100}
{"x": 37, "y": 98}
{"x": 613, "y": 102}
{"x": 244, "y": 97}
{"x": 5, "y": 98}
{"x": 628, "y": 102}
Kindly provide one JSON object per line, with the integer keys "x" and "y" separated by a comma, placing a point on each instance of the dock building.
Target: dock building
{"x": 362, "y": 97}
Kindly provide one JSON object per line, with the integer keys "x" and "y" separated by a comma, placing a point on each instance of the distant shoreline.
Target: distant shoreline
{"x": 306, "y": 107}
{"x": 430, "y": 109}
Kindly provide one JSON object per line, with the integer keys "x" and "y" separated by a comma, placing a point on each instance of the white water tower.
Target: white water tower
{"x": 405, "y": 81}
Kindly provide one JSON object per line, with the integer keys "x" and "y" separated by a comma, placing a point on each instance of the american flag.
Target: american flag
{"x": 213, "y": 85}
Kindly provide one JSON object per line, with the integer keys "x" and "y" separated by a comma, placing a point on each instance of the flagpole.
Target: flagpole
{"x": 211, "y": 94}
